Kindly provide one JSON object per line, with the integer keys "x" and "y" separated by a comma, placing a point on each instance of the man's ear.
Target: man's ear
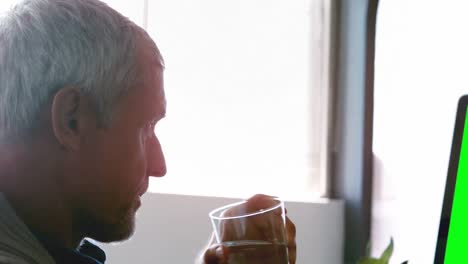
{"x": 67, "y": 116}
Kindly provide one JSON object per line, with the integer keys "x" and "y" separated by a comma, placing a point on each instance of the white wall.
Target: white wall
{"x": 174, "y": 228}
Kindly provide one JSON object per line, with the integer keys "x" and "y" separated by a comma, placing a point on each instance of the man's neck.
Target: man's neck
{"x": 28, "y": 185}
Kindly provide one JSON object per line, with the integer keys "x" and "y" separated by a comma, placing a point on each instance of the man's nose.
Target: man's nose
{"x": 156, "y": 160}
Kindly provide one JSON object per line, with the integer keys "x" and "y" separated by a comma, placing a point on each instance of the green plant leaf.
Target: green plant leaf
{"x": 388, "y": 252}
{"x": 370, "y": 261}
{"x": 384, "y": 258}
{"x": 368, "y": 250}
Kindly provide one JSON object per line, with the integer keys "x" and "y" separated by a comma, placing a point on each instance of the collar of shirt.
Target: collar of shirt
{"x": 86, "y": 253}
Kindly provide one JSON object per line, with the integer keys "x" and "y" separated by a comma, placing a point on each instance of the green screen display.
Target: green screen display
{"x": 457, "y": 243}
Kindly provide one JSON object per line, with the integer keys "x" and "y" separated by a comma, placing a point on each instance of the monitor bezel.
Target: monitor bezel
{"x": 444, "y": 221}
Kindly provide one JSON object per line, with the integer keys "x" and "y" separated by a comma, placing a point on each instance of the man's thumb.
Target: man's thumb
{"x": 216, "y": 254}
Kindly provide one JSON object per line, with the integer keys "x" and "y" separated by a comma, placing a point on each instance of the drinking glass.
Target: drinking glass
{"x": 252, "y": 233}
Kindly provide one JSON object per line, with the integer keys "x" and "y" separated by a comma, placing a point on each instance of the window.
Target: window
{"x": 6, "y": 4}
{"x": 238, "y": 89}
{"x": 421, "y": 62}
{"x": 244, "y": 83}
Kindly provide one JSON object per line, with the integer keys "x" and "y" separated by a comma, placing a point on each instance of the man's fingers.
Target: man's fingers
{"x": 290, "y": 229}
{"x": 254, "y": 227}
{"x": 291, "y": 238}
{"x": 260, "y": 201}
{"x": 216, "y": 254}
{"x": 253, "y": 204}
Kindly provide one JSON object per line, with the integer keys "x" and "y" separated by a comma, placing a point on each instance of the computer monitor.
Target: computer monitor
{"x": 452, "y": 241}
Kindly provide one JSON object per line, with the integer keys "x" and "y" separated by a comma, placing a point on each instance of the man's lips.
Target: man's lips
{"x": 143, "y": 189}
{"x": 138, "y": 202}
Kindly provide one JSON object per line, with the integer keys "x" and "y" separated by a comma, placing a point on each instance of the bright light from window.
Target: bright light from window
{"x": 134, "y": 10}
{"x": 236, "y": 78}
{"x": 421, "y": 62}
{"x": 237, "y": 97}
{"x": 6, "y": 5}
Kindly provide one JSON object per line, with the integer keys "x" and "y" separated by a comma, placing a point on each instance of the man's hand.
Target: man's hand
{"x": 218, "y": 254}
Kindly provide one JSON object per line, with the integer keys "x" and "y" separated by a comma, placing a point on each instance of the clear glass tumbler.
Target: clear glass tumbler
{"x": 253, "y": 233}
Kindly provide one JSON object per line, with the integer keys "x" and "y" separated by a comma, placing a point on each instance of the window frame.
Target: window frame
{"x": 353, "y": 122}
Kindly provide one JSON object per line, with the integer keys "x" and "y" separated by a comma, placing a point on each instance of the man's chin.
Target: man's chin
{"x": 115, "y": 231}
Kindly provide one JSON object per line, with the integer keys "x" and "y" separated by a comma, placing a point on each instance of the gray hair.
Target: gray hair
{"x": 46, "y": 45}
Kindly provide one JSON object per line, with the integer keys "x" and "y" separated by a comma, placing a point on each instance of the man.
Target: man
{"x": 80, "y": 94}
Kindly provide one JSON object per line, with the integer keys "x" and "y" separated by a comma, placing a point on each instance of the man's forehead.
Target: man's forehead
{"x": 150, "y": 54}
{"x": 151, "y": 95}
{"x": 155, "y": 96}
{"x": 147, "y": 97}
